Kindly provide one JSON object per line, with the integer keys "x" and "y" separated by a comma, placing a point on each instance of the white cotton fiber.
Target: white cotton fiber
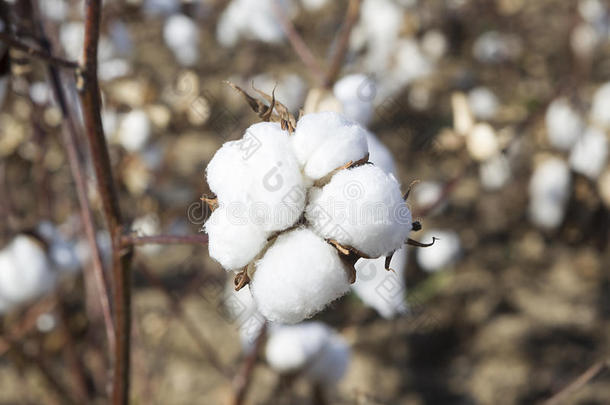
{"x": 589, "y": 153}
{"x": 442, "y": 254}
{"x": 297, "y": 277}
{"x": 356, "y": 93}
{"x": 25, "y": 271}
{"x": 380, "y": 155}
{"x": 362, "y": 208}
{"x": 600, "y": 110}
{"x": 563, "y": 124}
{"x": 549, "y": 190}
{"x": 234, "y": 240}
{"x": 381, "y": 289}
{"x": 134, "y": 130}
{"x": 227, "y": 174}
{"x": 483, "y": 103}
{"x": 482, "y": 142}
{"x": 181, "y": 35}
{"x": 494, "y": 172}
{"x": 312, "y": 130}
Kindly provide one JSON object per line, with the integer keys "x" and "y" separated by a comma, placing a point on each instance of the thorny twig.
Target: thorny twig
{"x": 242, "y": 380}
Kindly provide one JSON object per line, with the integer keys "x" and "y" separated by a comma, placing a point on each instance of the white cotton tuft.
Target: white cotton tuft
{"x": 549, "y": 190}
{"x": 563, "y": 124}
{"x": 589, "y": 153}
{"x": 310, "y": 348}
{"x": 381, "y": 289}
{"x": 482, "y": 142}
{"x": 234, "y": 240}
{"x": 380, "y": 155}
{"x": 181, "y": 35}
{"x": 361, "y": 208}
{"x": 494, "y": 172}
{"x": 442, "y": 254}
{"x": 297, "y": 277}
{"x": 71, "y": 36}
{"x": 483, "y": 103}
{"x": 356, "y": 93}
{"x": 25, "y": 272}
{"x": 134, "y": 130}
{"x": 600, "y": 110}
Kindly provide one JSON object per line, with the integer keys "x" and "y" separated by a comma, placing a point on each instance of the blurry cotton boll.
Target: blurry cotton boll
{"x": 311, "y": 349}
{"x": 381, "y": 289}
{"x": 147, "y": 225}
{"x": 314, "y": 5}
{"x": 297, "y": 277}
{"x": 109, "y": 122}
{"x": 584, "y": 39}
{"x": 71, "y": 36}
{"x": 181, "y": 35}
{"x": 134, "y": 130}
{"x": 120, "y": 37}
{"x": 113, "y": 69}
{"x": 241, "y": 308}
{"x": 161, "y": 7}
{"x": 496, "y": 47}
{"x": 563, "y": 124}
{"x": 289, "y": 89}
{"x": 442, "y": 254}
{"x": 600, "y": 110}
{"x": 45, "y": 322}
{"x": 39, "y": 93}
{"x": 549, "y": 189}
{"x": 26, "y": 272}
{"x": 494, "y": 172}
{"x": 463, "y": 119}
{"x": 61, "y": 250}
{"x": 252, "y": 19}
{"x": 483, "y": 103}
{"x": 592, "y": 11}
{"x": 482, "y": 142}
{"x": 56, "y": 10}
{"x": 426, "y": 194}
{"x": 589, "y": 153}
{"x": 380, "y": 155}
{"x": 356, "y": 93}
{"x": 411, "y": 63}
{"x": 434, "y": 44}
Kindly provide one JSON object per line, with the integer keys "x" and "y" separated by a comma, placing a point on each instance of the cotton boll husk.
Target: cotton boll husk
{"x": 442, "y": 254}
{"x": 482, "y": 142}
{"x": 26, "y": 271}
{"x": 377, "y": 221}
{"x": 589, "y": 153}
{"x": 380, "y": 155}
{"x": 379, "y": 288}
{"x": 483, "y": 103}
{"x": 181, "y": 35}
{"x": 600, "y": 110}
{"x": 356, "y": 93}
{"x": 549, "y": 189}
{"x": 563, "y": 124}
{"x": 134, "y": 130}
{"x": 234, "y": 240}
{"x": 297, "y": 277}
{"x": 494, "y": 172}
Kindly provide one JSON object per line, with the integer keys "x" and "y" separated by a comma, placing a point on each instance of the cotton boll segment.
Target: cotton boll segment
{"x": 600, "y": 110}
{"x": 181, "y": 35}
{"x": 379, "y": 288}
{"x": 297, "y": 277}
{"x": 234, "y": 240}
{"x": 312, "y": 130}
{"x": 134, "y": 130}
{"x": 589, "y": 153}
{"x": 442, "y": 254}
{"x": 356, "y": 93}
{"x": 227, "y": 174}
{"x": 563, "y": 124}
{"x": 549, "y": 188}
{"x": 377, "y": 222}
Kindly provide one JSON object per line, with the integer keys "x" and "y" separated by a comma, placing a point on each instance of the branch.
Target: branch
{"x": 127, "y": 240}
{"x": 242, "y": 380}
{"x": 579, "y": 382}
{"x": 351, "y": 17}
{"x": 37, "y": 53}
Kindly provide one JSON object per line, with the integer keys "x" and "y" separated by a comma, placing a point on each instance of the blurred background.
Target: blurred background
{"x": 501, "y": 109}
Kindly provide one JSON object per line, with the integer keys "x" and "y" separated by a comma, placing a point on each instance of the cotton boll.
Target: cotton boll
{"x": 312, "y": 130}
{"x": 494, "y": 172}
{"x": 591, "y": 10}
{"x": 134, "y": 130}
{"x": 426, "y": 194}
{"x": 330, "y": 366}
{"x": 600, "y": 110}
{"x": 147, "y": 225}
{"x": 297, "y": 277}
{"x": 483, "y": 103}
{"x": 379, "y": 288}
{"x": 56, "y": 10}
{"x": 356, "y": 93}
{"x": 234, "y": 240}
{"x": 584, "y": 39}
{"x": 227, "y": 174}
{"x": 380, "y": 155}
{"x": 113, "y": 69}
{"x": 411, "y": 62}
{"x": 589, "y": 153}
{"x": 442, "y": 254}
{"x": 563, "y": 124}
{"x": 434, "y": 44}
{"x": 181, "y": 35}
{"x": 361, "y": 208}
{"x": 39, "y": 92}
{"x": 549, "y": 188}
{"x": 496, "y": 47}
{"x": 482, "y": 142}
{"x": 71, "y": 36}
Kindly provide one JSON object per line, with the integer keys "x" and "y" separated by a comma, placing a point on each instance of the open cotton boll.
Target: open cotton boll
{"x": 549, "y": 189}
{"x": 483, "y": 103}
{"x": 379, "y": 154}
{"x": 356, "y": 93}
{"x": 442, "y": 254}
{"x": 361, "y": 208}
{"x": 589, "y": 153}
{"x": 313, "y": 130}
{"x": 227, "y": 174}
{"x": 134, "y": 130}
{"x": 563, "y": 124}
{"x": 181, "y": 35}
{"x": 234, "y": 240}
{"x": 494, "y": 172}
{"x": 482, "y": 142}
{"x": 297, "y": 277}
{"x": 25, "y": 271}
{"x": 381, "y": 289}
{"x": 600, "y": 110}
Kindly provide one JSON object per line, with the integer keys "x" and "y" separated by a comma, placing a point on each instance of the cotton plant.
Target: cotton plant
{"x": 278, "y": 219}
